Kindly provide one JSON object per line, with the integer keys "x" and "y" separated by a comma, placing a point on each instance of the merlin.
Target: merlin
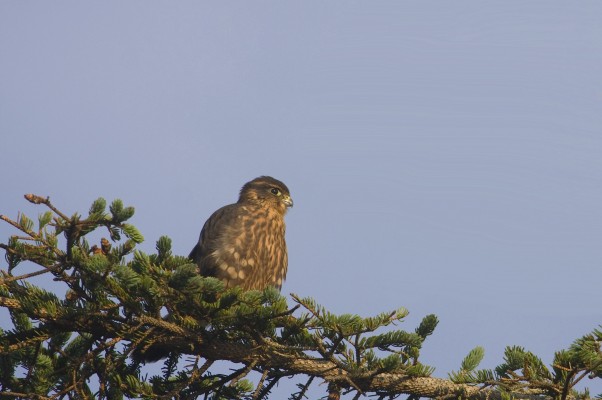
{"x": 242, "y": 244}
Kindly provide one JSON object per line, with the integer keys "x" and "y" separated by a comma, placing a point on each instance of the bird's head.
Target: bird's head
{"x": 267, "y": 191}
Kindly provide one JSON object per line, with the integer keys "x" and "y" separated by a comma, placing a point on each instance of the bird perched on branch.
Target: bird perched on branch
{"x": 242, "y": 244}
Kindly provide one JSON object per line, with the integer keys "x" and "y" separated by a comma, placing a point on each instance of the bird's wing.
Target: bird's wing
{"x": 218, "y": 227}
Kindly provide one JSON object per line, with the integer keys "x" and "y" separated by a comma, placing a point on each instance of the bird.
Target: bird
{"x": 243, "y": 244}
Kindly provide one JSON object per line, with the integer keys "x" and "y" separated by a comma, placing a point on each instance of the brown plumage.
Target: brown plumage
{"x": 243, "y": 243}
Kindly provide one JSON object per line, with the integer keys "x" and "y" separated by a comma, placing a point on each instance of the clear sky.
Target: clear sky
{"x": 442, "y": 157}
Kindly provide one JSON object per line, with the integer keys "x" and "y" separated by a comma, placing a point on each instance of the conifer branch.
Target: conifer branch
{"x": 113, "y": 312}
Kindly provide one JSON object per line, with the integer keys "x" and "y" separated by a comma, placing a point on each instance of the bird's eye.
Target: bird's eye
{"x": 276, "y": 191}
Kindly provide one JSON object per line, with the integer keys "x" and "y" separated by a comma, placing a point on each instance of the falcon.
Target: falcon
{"x": 242, "y": 244}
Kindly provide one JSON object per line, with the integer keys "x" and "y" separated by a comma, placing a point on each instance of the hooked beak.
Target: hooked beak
{"x": 287, "y": 201}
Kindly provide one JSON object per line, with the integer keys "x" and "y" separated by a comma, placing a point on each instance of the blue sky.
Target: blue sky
{"x": 445, "y": 158}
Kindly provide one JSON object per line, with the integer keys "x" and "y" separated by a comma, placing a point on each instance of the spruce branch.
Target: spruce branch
{"x": 114, "y": 309}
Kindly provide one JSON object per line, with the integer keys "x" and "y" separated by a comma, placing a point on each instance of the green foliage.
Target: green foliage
{"x": 25, "y": 223}
{"x": 473, "y": 359}
{"x": 517, "y": 358}
{"x": 121, "y": 307}
{"x": 163, "y": 249}
{"x": 119, "y": 212}
{"x": 427, "y": 326}
{"x": 44, "y": 219}
{"x": 132, "y": 232}
{"x": 98, "y": 207}
{"x": 467, "y": 373}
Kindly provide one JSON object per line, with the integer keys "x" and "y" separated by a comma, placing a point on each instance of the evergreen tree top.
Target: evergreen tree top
{"x": 120, "y": 304}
